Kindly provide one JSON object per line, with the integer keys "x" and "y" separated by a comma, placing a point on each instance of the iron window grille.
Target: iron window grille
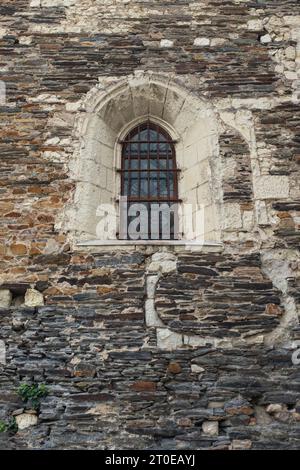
{"x": 149, "y": 177}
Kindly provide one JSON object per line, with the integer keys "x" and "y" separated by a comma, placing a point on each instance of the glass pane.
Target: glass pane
{"x": 154, "y": 164}
{"x": 153, "y": 191}
{"x": 144, "y": 164}
{"x": 153, "y": 148}
{"x": 126, "y": 164}
{"x": 153, "y": 137}
{"x": 144, "y": 182}
{"x": 134, "y": 137}
{"x": 163, "y": 187}
{"x": 163, "y": 148}
{"x": 162, "y": 138}
{"x": 126, "y": 150}
{"x": 170, "y": 164}
{"x": 144, "y": 135}
{"x": 134, "y": 164}
{"x": 144, "y": 149}
{"x": 134, "y": 189}
{"x": 125, "y": 190}
{"x": 171, "y": 183}
{"x": 144, "y": 187}
{"x": 134, "y": 148}
{"x": 162, "y": 164}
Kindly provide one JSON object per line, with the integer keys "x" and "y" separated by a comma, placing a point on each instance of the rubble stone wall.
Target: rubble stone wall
{"x": 150, "y": 348}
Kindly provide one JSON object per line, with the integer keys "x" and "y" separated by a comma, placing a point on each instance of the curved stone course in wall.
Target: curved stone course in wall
{"x": 211, "y": 295}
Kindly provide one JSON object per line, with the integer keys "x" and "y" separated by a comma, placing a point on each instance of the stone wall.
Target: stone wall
{"x": 111, "y": 387}
{"x": 151, "y": 348}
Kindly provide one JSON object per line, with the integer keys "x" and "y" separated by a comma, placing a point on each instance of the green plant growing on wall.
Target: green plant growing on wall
{"x": 9, "y": 426}
{"x": 3, "y": 426}
{"x": 32, "y": 394}
{"x": 12, "y": 426}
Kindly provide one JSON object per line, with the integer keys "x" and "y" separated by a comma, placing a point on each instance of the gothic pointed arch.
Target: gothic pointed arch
{"x": 114, "y": 107}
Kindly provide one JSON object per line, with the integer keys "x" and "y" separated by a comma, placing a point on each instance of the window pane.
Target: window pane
{"x": 144, "y": 135}
{"x": 134, "y": 148}
{"x": 171, "y": 182}
{"x": 163, "y": 183}
{"x": 144, "y": 164}
{"x": 154, "y": 164}
{"x": 144, "y": 149}
{"x": 163, "y": 164}
{"x": 153, "y": 137}
{"x": 134, "y": 137}
{"x": 163, "y": 187}
{"x": 163, "y": 148}
{"x": 134, "y": 164}
{"x": 170, "y": 164}
{"x": 125, "y": 193}
{"x": 126, "y": 150}
{"x": 153, "y": 148}
{"x": 134, "y": 189}
{"x": 153, "y": 184}
{"x": 162, "y": 138}
{"x": 144, "y": 183}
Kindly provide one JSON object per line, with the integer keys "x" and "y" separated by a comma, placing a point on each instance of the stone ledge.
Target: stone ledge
{"x": 178, "y": 245}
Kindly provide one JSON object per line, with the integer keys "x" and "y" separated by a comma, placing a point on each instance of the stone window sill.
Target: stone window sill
{"x": 177, "y": 245}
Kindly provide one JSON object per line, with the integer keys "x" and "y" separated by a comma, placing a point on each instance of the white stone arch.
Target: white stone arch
{"x": 113, "y": 107}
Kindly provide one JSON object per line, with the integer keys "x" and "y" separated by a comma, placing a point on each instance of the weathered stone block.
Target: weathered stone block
{"x": 144, "y": 386}
{"x": 241, "y": 444}
{"x": 167, "y": 339}
{"x": 201, "y": 42}
{"x": 18, "y": 249}
{"x": 34, "y": 298}
{"x": 174, "y": 368}
{"x": 163, "y": 262}
{"x": 166, "y": 43}
{"x": 197, "y": 369}
{"x": 275, "y": 408}
{"x": 232, "y": 217}
{"x": 5, "y": 298}
{"x": 210, "y": 428}
{"x": 83, "y": 369}
{"x": 26, "y": 420}
{"x": 255, "y": 25}
{"x": 265, "y": 39}
{"x": 271, "y": 187}
{"x": 2, "y": 352}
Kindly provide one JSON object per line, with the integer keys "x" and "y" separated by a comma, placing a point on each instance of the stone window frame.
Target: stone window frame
{"x": 175, "y": 245}
{"x": 105, "y": 104}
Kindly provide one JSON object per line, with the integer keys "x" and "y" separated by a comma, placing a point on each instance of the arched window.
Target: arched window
{"x": 149, "y": 180}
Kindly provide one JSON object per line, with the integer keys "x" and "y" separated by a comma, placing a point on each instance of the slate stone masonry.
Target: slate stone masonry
{"x": 74, "y": 318}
